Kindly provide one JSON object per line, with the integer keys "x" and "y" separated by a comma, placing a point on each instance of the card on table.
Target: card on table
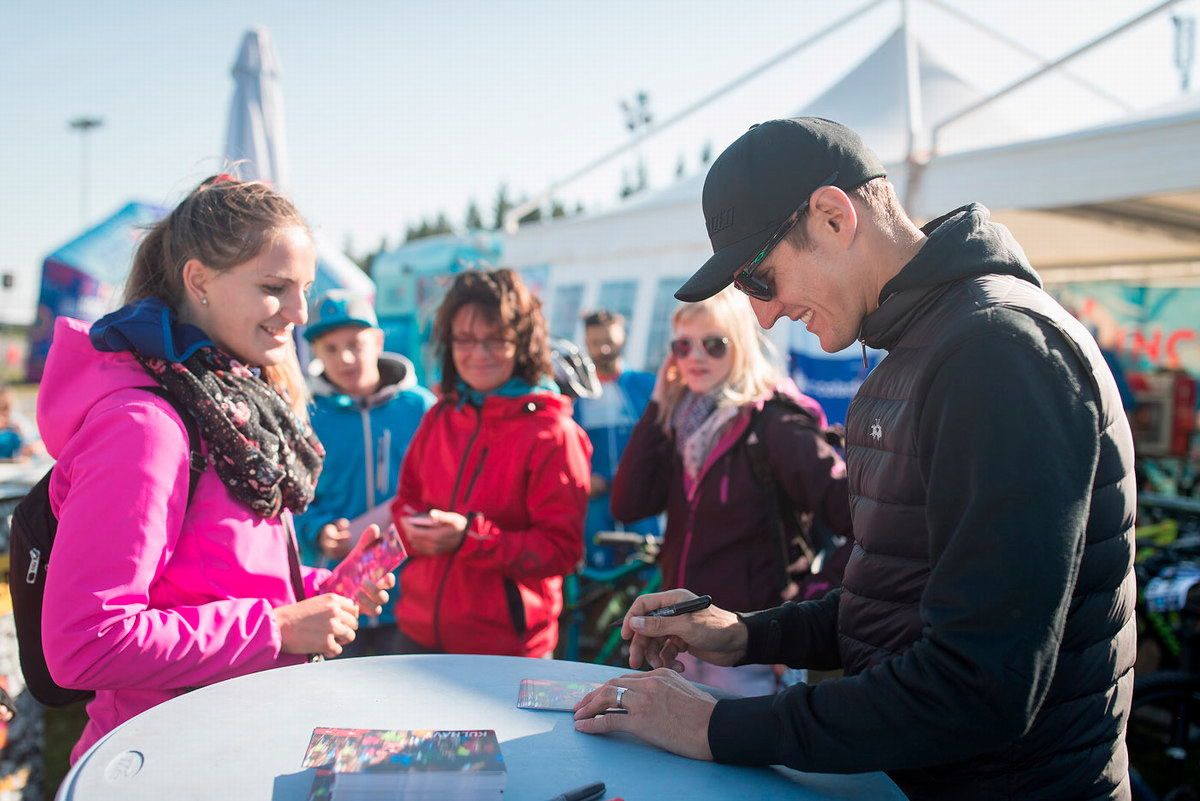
{"x": 554, "y": 696}
{"x": 551, "y": 695}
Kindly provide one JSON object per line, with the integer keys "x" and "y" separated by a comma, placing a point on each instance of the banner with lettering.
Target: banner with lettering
{"x": 1148, "y": 328}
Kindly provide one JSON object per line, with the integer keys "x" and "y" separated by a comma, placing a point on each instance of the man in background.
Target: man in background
{"x": 608, "y": 421}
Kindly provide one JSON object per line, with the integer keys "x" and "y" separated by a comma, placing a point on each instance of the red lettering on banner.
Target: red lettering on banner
{"x": 1174, "y": 360}
{"x": 1150, "y": 348}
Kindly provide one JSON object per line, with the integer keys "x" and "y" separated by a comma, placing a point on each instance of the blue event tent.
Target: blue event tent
{"x": 84, "y": 277}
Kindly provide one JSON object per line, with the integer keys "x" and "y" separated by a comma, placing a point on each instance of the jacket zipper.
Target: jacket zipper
{"x": 368, "y": 446}
{"x": 437, "y": 599}
{"x": 383, "y": 463}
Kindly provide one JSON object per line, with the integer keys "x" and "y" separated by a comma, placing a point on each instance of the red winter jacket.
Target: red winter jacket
{"x": 519, "y": 470}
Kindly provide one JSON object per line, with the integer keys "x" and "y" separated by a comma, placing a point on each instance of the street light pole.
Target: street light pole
{"x": 84, "y": 125}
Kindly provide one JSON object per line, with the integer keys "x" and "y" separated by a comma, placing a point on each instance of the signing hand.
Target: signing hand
{"x": 442, "y": 532}
{"x": 334, "y": 539}
{"x": 711, "y": 634}
{"x": 318, "y": 625}
{"x": 661, "y": 707}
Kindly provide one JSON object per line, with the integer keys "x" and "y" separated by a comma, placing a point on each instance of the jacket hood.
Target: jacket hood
{"x": 962, "y": 244}
{"x": 77, "y": 376}
{"x": 396, "y": 374}
{"x": 149, "y": 327}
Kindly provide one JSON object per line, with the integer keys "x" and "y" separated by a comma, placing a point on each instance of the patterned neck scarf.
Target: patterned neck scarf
{"x": 699, "y": 423}
{"x": 690, "y": 412}
{"x": 264, "y": 454}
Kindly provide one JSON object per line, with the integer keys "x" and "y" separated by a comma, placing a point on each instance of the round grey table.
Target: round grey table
{"x": 245, "y": 738}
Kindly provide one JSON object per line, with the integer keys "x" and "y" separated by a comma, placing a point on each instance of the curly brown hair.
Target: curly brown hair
{"x": 504, "y": 301}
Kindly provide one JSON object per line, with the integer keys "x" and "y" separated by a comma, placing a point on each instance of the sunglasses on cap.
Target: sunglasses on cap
{"x": 715, "y": 347}
{"x": 744, "y": 278}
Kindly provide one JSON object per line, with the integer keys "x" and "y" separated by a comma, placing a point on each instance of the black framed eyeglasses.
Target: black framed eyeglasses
{"x": 744, "y": 278}
{"x": 490, "y": 344}
{"x": 715, "y": 347}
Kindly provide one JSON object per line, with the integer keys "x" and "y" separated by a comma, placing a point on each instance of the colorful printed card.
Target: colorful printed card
{"x": 552, "y": 696}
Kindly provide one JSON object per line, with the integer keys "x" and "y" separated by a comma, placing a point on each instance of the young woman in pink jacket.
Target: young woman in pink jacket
{"x": 151, "y": 593}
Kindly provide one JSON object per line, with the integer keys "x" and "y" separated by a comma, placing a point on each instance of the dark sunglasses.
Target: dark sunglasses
{"x": 744, "y": 278}
{"x": 715, "y": 347}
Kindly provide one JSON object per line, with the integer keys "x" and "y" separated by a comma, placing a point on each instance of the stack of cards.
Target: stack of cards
{"x": 379, "y": 764}
{"x": 554, "y": 696}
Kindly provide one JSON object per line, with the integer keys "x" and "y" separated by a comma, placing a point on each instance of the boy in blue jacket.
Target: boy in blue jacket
{"x": 366, "y": 406}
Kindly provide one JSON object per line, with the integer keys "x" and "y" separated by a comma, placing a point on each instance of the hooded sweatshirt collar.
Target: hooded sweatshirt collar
{"x": 396, "y": 374}
{"x": 149, "y": 327}
{"x": 960, "y": 245}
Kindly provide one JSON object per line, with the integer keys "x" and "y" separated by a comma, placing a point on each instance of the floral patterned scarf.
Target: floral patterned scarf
{"x": 267, "y": 457}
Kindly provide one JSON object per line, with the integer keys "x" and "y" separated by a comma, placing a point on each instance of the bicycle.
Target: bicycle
{"x": 594, "y": 599}
{"x": 1163, "y": 732}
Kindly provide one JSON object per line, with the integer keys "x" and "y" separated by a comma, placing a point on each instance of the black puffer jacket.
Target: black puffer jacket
{"x": 986, "y": 617}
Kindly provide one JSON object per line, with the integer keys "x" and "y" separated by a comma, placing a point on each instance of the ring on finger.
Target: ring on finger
{"x": 620, "y": 695}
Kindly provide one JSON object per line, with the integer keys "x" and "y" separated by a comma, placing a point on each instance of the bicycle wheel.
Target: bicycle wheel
{"x": 1163, "y": 735}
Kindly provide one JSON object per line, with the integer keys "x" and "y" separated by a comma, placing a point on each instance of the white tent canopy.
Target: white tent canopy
{"x": 256, "y": 144}
{"x": 1121, "y": 199}
{"x": 255, "y": 139}
{"x": 1123, "y": 196}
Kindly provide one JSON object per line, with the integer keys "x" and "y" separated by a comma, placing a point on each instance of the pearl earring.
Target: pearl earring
{"x": 203, "y": 301}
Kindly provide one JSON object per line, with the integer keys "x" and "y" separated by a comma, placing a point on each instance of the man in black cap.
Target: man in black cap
{"x": 985, "y": 621}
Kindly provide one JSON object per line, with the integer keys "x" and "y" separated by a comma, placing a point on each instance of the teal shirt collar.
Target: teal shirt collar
{"x": 513, "y": 388}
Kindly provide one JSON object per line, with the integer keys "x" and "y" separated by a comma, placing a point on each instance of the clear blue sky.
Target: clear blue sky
{"x": 398, "y": 110}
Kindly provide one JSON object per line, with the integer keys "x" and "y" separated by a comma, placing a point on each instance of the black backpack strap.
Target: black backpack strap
{"x": 294, "y": 560}
{"x": 776, "y": 524}
{"x": 197, "y": 464}
{"x": 289, "y": 530}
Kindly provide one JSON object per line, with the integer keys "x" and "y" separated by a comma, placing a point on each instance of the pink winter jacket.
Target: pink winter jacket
{"x": 146, "y": 596}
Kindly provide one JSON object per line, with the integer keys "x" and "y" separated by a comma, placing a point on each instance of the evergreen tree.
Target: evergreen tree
{"x": 503, "y": 204}
{"x": 474, "y": 219}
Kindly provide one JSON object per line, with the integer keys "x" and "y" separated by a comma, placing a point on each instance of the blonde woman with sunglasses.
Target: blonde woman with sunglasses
{"x": 691, "y": 455}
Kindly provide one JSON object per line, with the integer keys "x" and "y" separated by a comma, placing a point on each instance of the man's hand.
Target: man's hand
{"x": 661, "y": 707}
{"x": 711, "y": 634}
{"x": 334, "y": 539}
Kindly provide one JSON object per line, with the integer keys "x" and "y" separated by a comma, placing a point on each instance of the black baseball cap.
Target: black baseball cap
{"x": 761, "y": 179}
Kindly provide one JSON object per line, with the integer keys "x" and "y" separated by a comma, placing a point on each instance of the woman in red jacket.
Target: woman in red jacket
{"x": 493, "y": 488}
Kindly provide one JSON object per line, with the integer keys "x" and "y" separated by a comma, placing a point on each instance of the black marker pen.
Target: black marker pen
{"x": 589, "y": 792}
{"x": 681, "y": 608}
